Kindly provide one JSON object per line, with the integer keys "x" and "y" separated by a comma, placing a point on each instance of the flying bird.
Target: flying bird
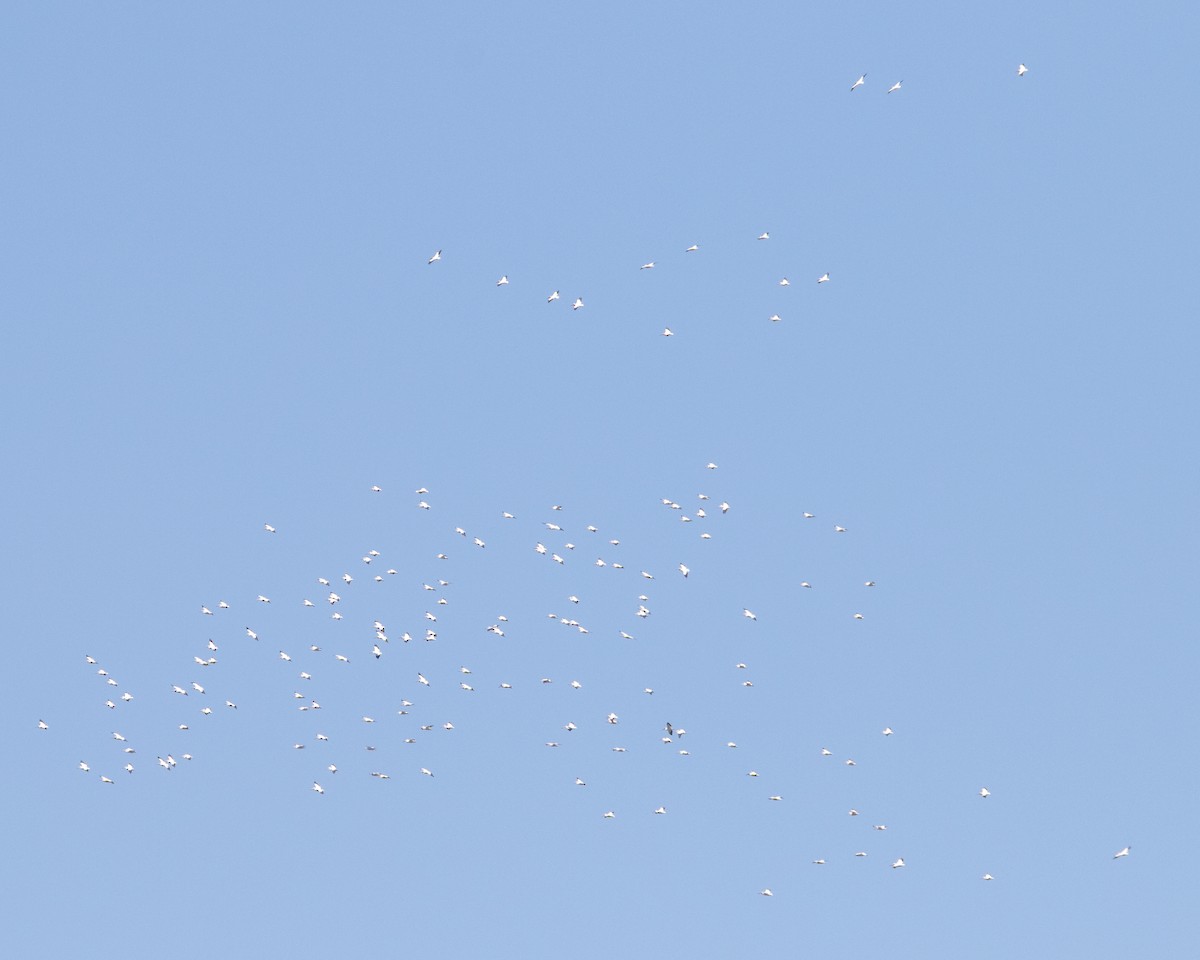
{"x": 823, "y": 278}
{"x": 435, "y": 258}
{"x": 1121, "y": 853}
{"x": 894, "y": 87}
{"x": 859, "y": 82}
{"x": 1022, "y": 70}
{"x": 502, "y": 281}
{"x": 577, "y": 304}
{"x": 554, "y": 296}
{"x": 764, "y": 236}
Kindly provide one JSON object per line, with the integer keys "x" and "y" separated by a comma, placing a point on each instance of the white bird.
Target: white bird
{"x": 284, "y": 656}
{"x": 117, "y": 736}
{"x": 858, "y": 616}
{"x": 577, "y": 304}
{"x": 179, "y": 689}
{"x": 268, "y": 528}
{"x": 206, "y": 611}
{"x": 684, "y": 570}
{"x": 724, "y": 507}
{"x": 251, "y": 634}
{"x": 1121, "y": 853}
{"x": 129, "y": 768}
{"x": 775, "y": 797}
{"x": 692, "y": 249}
{"x": 861, "y": 853}
{"x": 579, "y": 783}
{"x": 668, "y": 332}
{"x": 317, "y": 787}
{"x": 421, "y": 679}
{"x": 262, "y": 599}
{"x": 764, "y": 236}
{"x": 425, "y": 770}
{"x": 837, "y": 529}
{"x": 554, "y": 296}
{"x": 887, "y": 731}
{"x": 851, "y": 763}
{"x": 648, "y": 266}
{"x": 985, "y": 792}
{"x": 502, "y": 281}
{"x": 987, "y": 876}
{"x": 775, "y": 318}
{"x": 222, "y": 605}
{"x": 42, "y": 725}
{"x": 766, "y": 893}
{"x": 207, "y": 711}
{"x": 610, "y": 815}
{"x": 818, "y": 862}
{"x": 84, "y": 767}
{"x": 823, "y": 278}
{"x": 104, "y": 779}
{"x": 612, "y": 718}
{"x": 338, "y": 656}
{"x": 826, "y": 753}
{"x": 785, "y": 282}
{"x": 749, "y": 615}
{"x": 197, "y": 687}
{"x": 661, "y": 810}
{"x": 898, "y": 863}
{"x": 435, "y": 258}
{"x": 859, "y": 82}
{"x": 894, "y": 87}
{"x": 1022, "y": 70}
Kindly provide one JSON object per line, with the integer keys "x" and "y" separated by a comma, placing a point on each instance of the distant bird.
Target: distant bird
{"x": 861, "y": 853}
{"x": 502, "y": 281}
{"x": 129, "y": 768}
{"x": 987, "y": 876}
{"x": 826, "y": 753}
{"x": 851, "y": 763}
{"x": 262, "y": 599}
{"x": 435, "y": 258}
{"x": 894, "y": 87}
{"x": 869, "y": 583}
{"x": 985, "y": 792}
{"x": 268, "y": 528}
{"x": 648, "y": 266}
{"x": 859, "y": 82}
{"x": 898, "y": 863}
{"x": 42, "y": 725}
{"x": 785, "y": 282}
{"x": 425, "y": 771}
{"x": 667, "y": 332}
{"x": 766, "y": 893}
{"x": 775, "y": 797}
{"x": 577, "y": 304}
{"x": 1121, "y": 853}
{"x": 887, "y": 731}
{"x": 775, "y": 318}
{"x": 858, "y": 616}
{"x": 84, "y": 767}
{"x": 818, "y": 862}
{"x": 1022, "y": 70}
{"x": 764, "y": 236}
{"x": 104, "y": 779}
{"x": 748, "y": 614}
{"x": 823, "y": 278}
{"x": 692, "y": 249}
{"x": 837, "y": 529}
{"x": 579, "y": 783}
{"x": 661, "y": 810}
{"x": 377, "y": 489}
{"x": 554, "y": 296}
{"x": 284, "y": 656}
{"x": 421, "y": 679}
{"x": 206, "y": 611}
{"x": 317, "y": 787}
{"x": 610, "y": 815}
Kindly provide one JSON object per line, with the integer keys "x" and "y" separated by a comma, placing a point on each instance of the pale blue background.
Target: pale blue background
{"x": 217, "y": 313}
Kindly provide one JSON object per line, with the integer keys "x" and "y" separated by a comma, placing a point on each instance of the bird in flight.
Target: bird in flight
{"x": 1022, "y": 70}
{"x": 823, "y": 278}
{"x": 552, "y": 297}
{"x": 435, "y": 258}
{"x": 894, "y": 87}
{"x": 1124, "y": 852}
{"x": 577, "y": 304}
{"x": 764, "y": 236}
{"x": 503, "y": 281}
{"x": 692, "y": 249}
{"x": 859, "y": 82}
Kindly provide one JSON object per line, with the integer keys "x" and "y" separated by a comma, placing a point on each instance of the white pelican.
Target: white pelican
{"x": 859, "y": 82}
{"x": 317, "y": 787}
{"x": 823, "y": 278}
{"x": 648, "y": 266}
{"x": 554, "y": 296}
{"x": 894, "y": 87}
{"x": 1022, "y": 70}
{"x": 764, "y": 236}
{"x": 577, "y": 304}
{"x": 1124, "y": 852}
{"x": 503, "y": 281}
{"x": 435, "y": 258}
{"x": 985, "y": 792}
{"x": 766, "y": 893}
{"x": 268, "y": 528}
{"x": 898, "y": 863}
{"x": 42, "y": 725}
{"x": 748, "y": 614}
{"x": 610, "y": 815}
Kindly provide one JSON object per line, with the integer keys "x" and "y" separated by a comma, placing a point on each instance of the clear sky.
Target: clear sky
{"x": 218, "y": 314}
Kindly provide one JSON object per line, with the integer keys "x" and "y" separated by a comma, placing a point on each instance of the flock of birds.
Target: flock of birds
{"x": 554, "y": 544}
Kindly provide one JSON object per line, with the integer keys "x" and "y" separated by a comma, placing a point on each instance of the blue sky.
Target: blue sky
{"x": 220, "y": 315}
